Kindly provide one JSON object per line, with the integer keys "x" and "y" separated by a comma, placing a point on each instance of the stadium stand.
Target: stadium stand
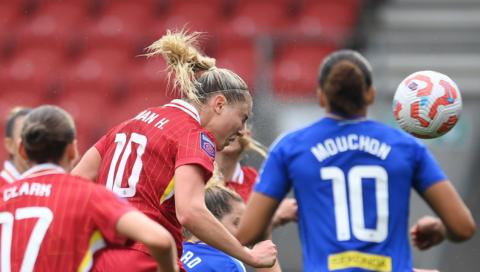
{"x": 85, "y": 55}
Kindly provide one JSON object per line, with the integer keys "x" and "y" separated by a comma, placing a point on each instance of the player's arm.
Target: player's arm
{"x": 138, "y": 227}
{"x": 194, "y": 215}
{"x": 286, "y": 212}
{"x": 256, "y": 221}
{"x": 89, "y": 164}
{"x": 456, "y": 222}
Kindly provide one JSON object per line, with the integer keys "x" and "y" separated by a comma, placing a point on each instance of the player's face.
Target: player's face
{"x": 235, "y": 147}
{"x": 231, "y": 221}
{"x": 232, "y": 122}
{"x": 13, "y": 144}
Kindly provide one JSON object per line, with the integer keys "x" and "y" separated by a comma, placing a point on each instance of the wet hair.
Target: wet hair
{"x": 219, "y": 200}
{"x": 46, "y": 133}
{"x": 195, "y": 75}
{"x": 13, "y": 115}
{"x": 345, "y": 76}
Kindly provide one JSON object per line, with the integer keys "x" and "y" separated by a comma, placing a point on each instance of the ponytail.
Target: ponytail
{"x": 248, "y": 143}
{"x": 345, "y": 77}
{"x": 195, "y": 75}
{"x": 46, "y": 132}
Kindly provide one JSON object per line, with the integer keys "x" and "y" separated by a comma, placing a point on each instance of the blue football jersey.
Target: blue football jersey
{"x": 352, "y": 181}
{"x": 200, "y": 257}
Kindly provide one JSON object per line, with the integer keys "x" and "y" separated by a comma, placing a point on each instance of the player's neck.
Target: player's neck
{"x": 341, "y": 116}
{"x": 193, "y": 239}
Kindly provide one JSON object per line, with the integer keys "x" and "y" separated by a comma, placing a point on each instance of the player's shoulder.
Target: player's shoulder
{"x": 78, "y": 184}
{"x": 214, "y": 259}
{"x": 3, "y": 182}
{"x": 249, "y": 169}
{"x": 393, "y": 133}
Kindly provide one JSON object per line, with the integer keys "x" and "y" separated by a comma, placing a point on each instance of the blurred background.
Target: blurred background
{"x": 85, "y": 56}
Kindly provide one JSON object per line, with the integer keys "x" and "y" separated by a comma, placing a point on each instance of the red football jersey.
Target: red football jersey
{"x": 52, "y": 221}
{"x": 139, "y": 158}
{"x": 9, "y": 174}
{"x": 243, "y": 181}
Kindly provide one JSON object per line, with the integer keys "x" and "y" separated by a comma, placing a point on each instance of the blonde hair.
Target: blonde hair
{"x": 195, "y": 75}
{"x": 248, "y": 143}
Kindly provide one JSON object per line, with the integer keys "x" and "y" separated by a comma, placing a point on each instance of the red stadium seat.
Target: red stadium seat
{"x": 91, "y": 114}
{"x": 31, "y": 69}
{"x": 121, "y": 24}
{"x": 52, "y": 25}
{"x": 239, "y": 55}
{"x": 98, "y": 70}
{"x": 252, "y": 17}
{"x": 296, "y": 67}
{"x": 10, "y": 97}
{"x": 328, "y": 17}
{"x": 10, "y": 17}
{"x": 148, "y": 76}
{"x": 10, "y": 12}
{"x": 195, "y": 16}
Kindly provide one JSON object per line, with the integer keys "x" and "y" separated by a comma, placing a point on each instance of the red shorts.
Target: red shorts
{"x": 126, "y": 260}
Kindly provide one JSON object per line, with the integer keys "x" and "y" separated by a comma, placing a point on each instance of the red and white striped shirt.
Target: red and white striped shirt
{"x": 52, "y": 221}
{"x": 140, "y": 155}
{"x": 243, "y": 181}
{"x": 9, "y": 174}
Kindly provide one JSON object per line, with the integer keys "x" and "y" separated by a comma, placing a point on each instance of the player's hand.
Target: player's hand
{"x": 427, "y": 232}
{"x": 264, "y": 254}
{"x": 286, "y": 212}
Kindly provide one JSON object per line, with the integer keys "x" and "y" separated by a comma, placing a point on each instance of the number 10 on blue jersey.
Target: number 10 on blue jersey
{"x": 354, "y": 179}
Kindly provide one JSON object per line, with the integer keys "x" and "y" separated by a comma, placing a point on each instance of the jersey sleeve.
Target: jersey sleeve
{"x": 274, "y": 180}
{"x": 101, "y": 145}
{"x": 106, "y": 209}
{"x": 427, "y": 170}
{"x": 196, "y": 147}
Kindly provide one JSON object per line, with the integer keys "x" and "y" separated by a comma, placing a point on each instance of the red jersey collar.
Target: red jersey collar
{"x": 42, "y": 169}
{"x": 185, "y": 107}
{"x": 238, "y": 175}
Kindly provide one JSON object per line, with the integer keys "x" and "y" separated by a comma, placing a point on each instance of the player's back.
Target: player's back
{"x": 352, "y": 180}
{"x": 140, "y": 155}
{"x": 52, "y": 221}
{"x": 200, "y": 257}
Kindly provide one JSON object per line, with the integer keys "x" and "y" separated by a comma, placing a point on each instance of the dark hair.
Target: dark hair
{"x": 13, "y": 115}
{"x": 218, "y": 200}
{"x": 46, "y": 133}
{"x": 195, "y": 75}
{"x": 344, "y": 77}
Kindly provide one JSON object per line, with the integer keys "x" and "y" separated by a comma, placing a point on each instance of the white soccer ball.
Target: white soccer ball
{"x": 427, "y": 104}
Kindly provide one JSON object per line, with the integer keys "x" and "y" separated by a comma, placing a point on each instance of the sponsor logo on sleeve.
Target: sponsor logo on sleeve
{"x": 207, "y": 145}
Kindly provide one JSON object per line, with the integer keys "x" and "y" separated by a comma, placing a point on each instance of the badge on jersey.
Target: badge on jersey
{"x": 207, "y": 145}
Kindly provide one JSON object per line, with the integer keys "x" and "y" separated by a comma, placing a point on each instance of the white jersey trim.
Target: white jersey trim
{"x": 42, "y": 169}
{"x": 185, "y": 107}
{"x": 238, "y": 175}
{"x": 9, "y": 172}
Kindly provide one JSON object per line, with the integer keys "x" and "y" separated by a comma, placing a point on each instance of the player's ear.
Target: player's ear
{"x": 22, "y": 151}
{"x": 9, "y": 145}
{"x": 370, "y": 95}
{"x": 72, "y": 153}
{"x": 322, "y": 99}
{"x": 218, "y": 103}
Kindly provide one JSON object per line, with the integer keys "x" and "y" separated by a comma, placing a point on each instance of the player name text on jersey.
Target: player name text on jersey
{"x": 27, "y": 188}
{"x": 149, "y": 117}
{"x": 332, "y": 146}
